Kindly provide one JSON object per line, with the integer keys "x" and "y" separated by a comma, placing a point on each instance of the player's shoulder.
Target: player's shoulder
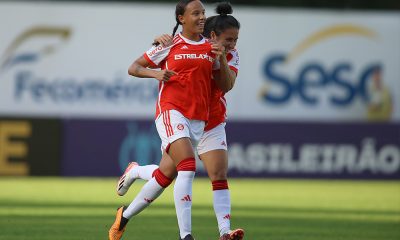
{"x": 234, "y": 52}
{"x": 232, "y": 55}
{"x": 177, "y": 39}
{"x": 159, "y": 49}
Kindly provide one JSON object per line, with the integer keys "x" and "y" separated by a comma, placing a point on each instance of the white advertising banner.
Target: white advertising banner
{"x": 71, "y": 60}
{"x": 318, "y": 66}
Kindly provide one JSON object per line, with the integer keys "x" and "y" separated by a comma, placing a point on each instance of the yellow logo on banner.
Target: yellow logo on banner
{"x": 330, "y": 32}
{"x": 12, "y": 147}
{"x": 10, "y": 57}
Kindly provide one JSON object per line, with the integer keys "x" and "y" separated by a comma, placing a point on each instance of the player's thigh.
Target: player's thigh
{"x": 216, "y": 164}
{"x": 167, "y": 166}
{"x": 181, "y": 149}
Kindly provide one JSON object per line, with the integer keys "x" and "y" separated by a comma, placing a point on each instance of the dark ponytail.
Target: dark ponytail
{"x": 175, "y": 28}
{"x": 222, "y": 21}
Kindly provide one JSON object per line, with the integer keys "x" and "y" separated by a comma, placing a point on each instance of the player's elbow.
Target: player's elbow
{"x": 132, "y": 70}
{"x": 226, "y": 88}
{"x": 229, "y": 85}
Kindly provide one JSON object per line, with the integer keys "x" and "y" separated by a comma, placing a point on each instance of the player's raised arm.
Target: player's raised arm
{"x": 225, "y": 77}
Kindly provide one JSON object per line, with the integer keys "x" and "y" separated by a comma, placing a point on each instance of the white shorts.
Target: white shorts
{"x": 172, "y": 125}
{"x": 213, "y": 139}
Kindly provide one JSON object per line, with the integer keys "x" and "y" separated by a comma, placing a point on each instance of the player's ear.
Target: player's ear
{"x": 180, "y": 18}
{"x": 213, "y": 36}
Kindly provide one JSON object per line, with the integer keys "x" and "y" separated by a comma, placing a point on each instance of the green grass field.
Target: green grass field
{"x": 84, "y": 208}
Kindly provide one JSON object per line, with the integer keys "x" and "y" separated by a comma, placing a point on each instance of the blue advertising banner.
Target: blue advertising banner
{"x": 256, "y": 149}
{"x": 314, "y": 150}
{"x": 105, "y": 147}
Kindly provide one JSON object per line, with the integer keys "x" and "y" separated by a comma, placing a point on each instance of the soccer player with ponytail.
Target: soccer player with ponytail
{"x": 182, "y": 110}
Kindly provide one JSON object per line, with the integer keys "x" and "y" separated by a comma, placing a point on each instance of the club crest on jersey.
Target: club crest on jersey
{"x": 180, "y": 127}
{"x": 193, "y": 56}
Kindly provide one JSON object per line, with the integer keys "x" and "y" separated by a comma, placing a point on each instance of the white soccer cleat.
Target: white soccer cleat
{"x": 126, "y": 179}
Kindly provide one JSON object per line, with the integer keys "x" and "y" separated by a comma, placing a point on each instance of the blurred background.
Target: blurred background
{"x": 317, "y": 96}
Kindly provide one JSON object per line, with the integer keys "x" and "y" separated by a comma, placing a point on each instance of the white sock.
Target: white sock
{"x": 149, "y": 192}
{"x": 222, "y": 209}
{"x": 183, "y": 201}
{"x": 143, "y": 172}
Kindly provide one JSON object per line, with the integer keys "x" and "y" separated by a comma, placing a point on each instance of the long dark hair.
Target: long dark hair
{"x": 180, "y": 10}
{"x": 221, "y": 22}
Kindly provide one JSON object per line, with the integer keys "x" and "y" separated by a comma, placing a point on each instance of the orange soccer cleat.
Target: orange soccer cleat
{"x": 118, "y": 228}
{"x": 236, "y": 234}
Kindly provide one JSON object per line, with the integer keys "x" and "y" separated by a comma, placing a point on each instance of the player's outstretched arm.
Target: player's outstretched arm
{"x": 139, "y": 68}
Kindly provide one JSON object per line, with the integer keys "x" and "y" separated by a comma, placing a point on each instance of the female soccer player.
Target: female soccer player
{"x": 212, "y": 148}
{"x": 181, "y": 112}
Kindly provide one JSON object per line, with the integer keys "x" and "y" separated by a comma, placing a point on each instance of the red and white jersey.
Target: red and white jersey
{"x": 189, "y": 91}
{"x": 218, "y": 101}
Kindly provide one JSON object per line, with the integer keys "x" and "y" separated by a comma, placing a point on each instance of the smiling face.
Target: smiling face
{"x": 193, "y": 18}
{"x": 227, "y": 38}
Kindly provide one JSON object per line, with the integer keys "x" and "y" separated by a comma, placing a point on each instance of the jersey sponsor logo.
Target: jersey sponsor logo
{"x": 233, "y": 59}
{"x": 157, "y": 49}
{"x": 193, "y": 56}
{"x": 236, "y": 62}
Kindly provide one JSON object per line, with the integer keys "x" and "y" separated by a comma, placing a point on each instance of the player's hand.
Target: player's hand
{"x": 165, "y": 40}
{"x": 165, "y": 75}
{"x": 217, "y": 49}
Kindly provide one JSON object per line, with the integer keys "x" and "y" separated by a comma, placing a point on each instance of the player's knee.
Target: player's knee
{"x": 219, "y": 174}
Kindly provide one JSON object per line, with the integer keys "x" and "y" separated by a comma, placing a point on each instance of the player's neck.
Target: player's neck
{"x": 191, "y": 36}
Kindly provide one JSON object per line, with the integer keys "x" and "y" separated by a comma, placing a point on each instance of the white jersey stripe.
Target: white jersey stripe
{"x": 223, "y": 101}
